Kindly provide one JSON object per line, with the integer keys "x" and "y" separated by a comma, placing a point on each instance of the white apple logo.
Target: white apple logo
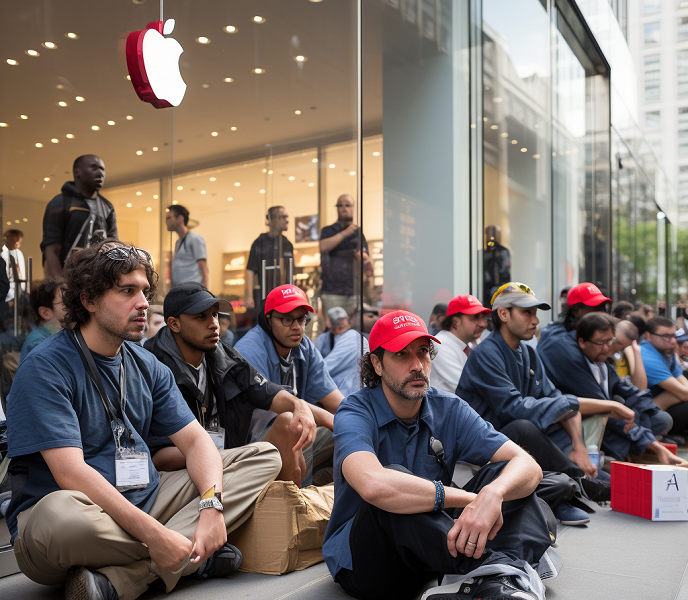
{"x": 153, "y": 62}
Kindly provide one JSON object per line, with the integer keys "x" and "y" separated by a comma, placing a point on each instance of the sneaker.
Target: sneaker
{"x": 679, "y": 440}
{"x": 83, "y": 584}
{"x": 570, "y": 515}
{"x": 502, "y": 587}
{"x": 223, "y": 563}
{"x": 596, "y": 490}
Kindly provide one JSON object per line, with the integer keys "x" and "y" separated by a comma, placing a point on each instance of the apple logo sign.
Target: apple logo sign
{"x": 153, "y": 63}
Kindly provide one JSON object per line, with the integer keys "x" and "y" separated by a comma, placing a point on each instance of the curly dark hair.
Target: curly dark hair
{"x": 89, "y": 272}
{"x": 369, "y": 378}
{"x": 43, "y": 294}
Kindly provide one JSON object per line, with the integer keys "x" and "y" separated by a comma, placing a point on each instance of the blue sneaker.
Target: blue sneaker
{"x": 570, "y": 515}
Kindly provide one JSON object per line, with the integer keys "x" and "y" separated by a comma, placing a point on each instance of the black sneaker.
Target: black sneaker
{"x": 502, "y": 587}
{"x": 222, "y": 563}
{"x": 596, "y": 490}
{"x": 83, "y": 584}
{"x": 679, "y": 440}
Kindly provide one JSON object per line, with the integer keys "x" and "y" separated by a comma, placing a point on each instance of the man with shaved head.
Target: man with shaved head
{"x": 342, "y": 246}
{"x": 77, "y": 217}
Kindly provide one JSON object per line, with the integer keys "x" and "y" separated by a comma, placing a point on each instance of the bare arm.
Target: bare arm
{"x": 53, "y": 268}
{"x": 167, "y": 548}
{"x": 616, "y": 410}
{"x": 636, "y": 367}
{"x": 332, "y": 400}
{"x": 205, "y": 273}
{"x": 579, "y": 454}
{"x": 666, "y": 457}
{"x": 330, "y": 243}
{"x": 248, "y": 289}
{"x": 678, "y": 386}
{"x": 303, "y": 418}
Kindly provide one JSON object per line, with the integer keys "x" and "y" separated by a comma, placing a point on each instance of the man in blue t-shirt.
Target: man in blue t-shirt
{"x": 88, "y": 508}
{"x": 665, "y": 378}
{"x": 396, "y": 441}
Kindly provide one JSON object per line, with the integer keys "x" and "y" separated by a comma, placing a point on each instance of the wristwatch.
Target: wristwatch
{"x": 213, "y": 502}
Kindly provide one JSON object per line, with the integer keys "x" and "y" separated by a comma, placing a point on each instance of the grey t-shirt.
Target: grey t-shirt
{"x": 187, "y": 251}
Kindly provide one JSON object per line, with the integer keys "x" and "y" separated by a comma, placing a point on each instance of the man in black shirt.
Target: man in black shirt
{"x": 275, "y": 249}
{"x": 78, "y": 217}
{"x": 342, "y": 247}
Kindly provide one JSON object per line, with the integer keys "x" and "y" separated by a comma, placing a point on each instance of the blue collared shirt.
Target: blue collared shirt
{"x": 365, "y": 422}
{"x": 658, "y": 367}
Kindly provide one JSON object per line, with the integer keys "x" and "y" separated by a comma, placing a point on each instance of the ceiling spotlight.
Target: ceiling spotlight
{"x": 315, "y": 1}
{"x": 111, "y": 122}
{"x": 128, "y": 204}
{"x": 49, "y": 45}
{"x": 180, "y": 188}
{"x": 229, "y": 198}
{"x": 155, "y": 196}
{"x": 291, "y": 178}
{"x": 23, "y": 117}
{"x": 352, "y": 173}
{"x": 70, "y": 136}
{"x": 149, "y": 209}
{"x": 72, "y": 36}
{"x": 514, "y": 141}
{"x": 376, "y": 153}
{"x": 138, "y": 193}
{"x": 524, "y": 149}
{"x": 497, "y": 100}
{"x": 205, "y": 86}
{"x": 46, "y": 179}
{"x": 259, "y": 19}
{"x": 130, "y": 118}
{"x": 261, "y": 191}
{"x": 265, "y": 170}
{"x": 229, "y": 80}
{"x": 536, "y": 156}
{"x": 79, "y": 98}
{"x": 237, "y": 184}
{"x": 332, "y": 166}
{"x": 62, "y": 103}
{"x": 270, "y": 172}
{"x": 297, "y": 112}
{"x": 505, "y": 134}
{"x": 39, "y": 145}
{"x": 95, "y": 127}
{"x": 55, "y": 141}
{"x": 315, "y": 160}
{"x": 213, "y": 179}
{"x": 203, "y": 40}
{"x": 258, "y": 71}
{"x": 203, "y": 192}
{"x": 173, "y": 202}
{"x": 155, "y": 148}
{"x": 311, "y": 185}
{"x": 230, "y": 29}
{"x": 494, "y": 126}
{"x": 233, "y": 128}
{"x": 3, "y": 124}
{"x": 32, "y": 53}
{"x": 11, "y": 61}
{"x": 214, "y": 134}
{"x": 127, "y": 77}
{"x": 300, "y": 58}
{"x": 139, "y": 152}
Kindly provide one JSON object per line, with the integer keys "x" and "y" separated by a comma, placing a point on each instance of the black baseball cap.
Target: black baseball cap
{"x": 189, "y": 298}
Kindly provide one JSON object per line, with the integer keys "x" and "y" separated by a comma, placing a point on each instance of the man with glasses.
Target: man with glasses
{"x": 89, "y": 510}
{"x": 221, "y": 387}
{"x": 279, "y": 349}
{"x": 46, "y": 302}
{"x": 667, "y": 383}
{"x": 343, "y": 251}
{"x": 578, "y": 365}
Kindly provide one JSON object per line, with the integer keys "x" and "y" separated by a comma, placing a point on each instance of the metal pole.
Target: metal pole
{"x": 263, "y": 283}
{"x": 29, "y": 275}
{"x": 291, "y": 270}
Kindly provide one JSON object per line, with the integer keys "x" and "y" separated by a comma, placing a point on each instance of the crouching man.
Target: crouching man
{"x": 89, "y": 510}
{"x": 396, "y": 441}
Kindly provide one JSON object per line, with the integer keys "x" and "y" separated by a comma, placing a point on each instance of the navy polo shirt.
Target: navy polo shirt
{"x": 365, "y": 422}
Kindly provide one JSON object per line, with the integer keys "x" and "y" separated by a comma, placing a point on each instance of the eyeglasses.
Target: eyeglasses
{"x": 667, "y": 337}
{"x": 343, "y": 205}
{"x": 605, "y": 343}
{"x": 124, "y": 252}
{"x": 289, "y": 321}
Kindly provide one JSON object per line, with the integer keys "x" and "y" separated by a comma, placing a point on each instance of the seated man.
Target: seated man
{"x": 221, "y": 387}
{"x": 576, "y": 365}
{"x": 626, "y": 358}
{"x": 46, "y": 303}
{"x": 581, "y": 299}
{"x": 278, "y": 348}
{"x": 341, "y": 348}
{"x": 392, "y": 527}
{"x": 668, "y": 384}
{"x": 504, "y": 380}
{"x": 89, "y": 510}
{"x": 460, "y": 331}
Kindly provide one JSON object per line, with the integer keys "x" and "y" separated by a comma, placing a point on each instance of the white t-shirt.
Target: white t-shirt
{"x": 448, "y": 365}
{"x": 187, "y": 252}
{"x": 21, "y": 270}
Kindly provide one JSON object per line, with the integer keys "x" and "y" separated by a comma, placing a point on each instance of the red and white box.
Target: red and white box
{"x": 654, "y": 492}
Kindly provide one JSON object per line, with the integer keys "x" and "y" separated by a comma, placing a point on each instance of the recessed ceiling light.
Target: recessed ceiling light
{"x": 139, "y": 193}
{"x": 352, "y": 172}
{"x": 230, "y": 29}
{"x": 497, "y": 100}
{"x": 203, "y": 40}
{"x": 59, "y": 86}
{"x": 173, "y": 202}
{"x": 130, "y": 118}
{"x": 300, "y": 58}
{"x": 261, "y": 191}
{"x": 9, "y": 222}
{"x": 237, "y": 184}
{"x": 514, "y": 141}
{"x": 229, "y": 198}
{"x": 111, "y": 122}
{"x": 229, "y": 80}
{"x": 265, "y": 170}
{"x": 315, "y": 1}
{"x": 505, "y": 134}
{"x": 258, "y": 19}
{"x": 214, "y": 134}
{"x": 25, "y": 220}
{"x": 49, "y": 45}
{"x": 128, "y": 204}
{"x": 155, "y": 148}
{"x": 270, "y": 172}
{"x": 139, "y": 152}
{"x": 70, "y": 136}
{"x": 39, "y": 145}
{"x": 180, "y": 188}
{"x": 291, "y": 178}
{"x": 62, "y": 103}
{"x": 3, "y": 124}
{"x": 258, "y": 71}
{"x": 32, "y": 52}
{"x": 95, "y": 127}
{"x": 205, "y": 86}
{"x": 376, "y": 153}
{"x": 524, "y": 149}
{"x": 155, "y": 196}
{"x": 332, "y": 165}
{"x": 233, "y": 128}
{"x": 72, "y": 36}
{"x": 11, "y": 61}
{"x": 536, "y": 156}
{"x": 46, "y": 179}
{"x": 213, "y": 179}
{"x": 79, "y": 98}
{"x": 23, "y": 117}
{"x": 315, "y": 160}
{"x": 297, "y": 112}
{"x": 203, "y": 192}
{"x": 149, "y": 209}
{"x": 311, "y": 185}
{"x": 55, "y": 141}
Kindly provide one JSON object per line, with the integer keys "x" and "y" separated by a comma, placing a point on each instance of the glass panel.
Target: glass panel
{"x": 652, "y": 120}
{"x": 682, "y": 30}
{"x": 682, "y": 73}
{"x": 651, "y": 33}
{"x": 651, "y": 77}
{"x": 517, "y": 154}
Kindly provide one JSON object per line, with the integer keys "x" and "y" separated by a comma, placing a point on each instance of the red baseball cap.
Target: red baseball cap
{"x": 466, "y": 304}
{"x": 286, "y": 298}
{"x": 396, "y": 330}
{"x": 587, "y": 293}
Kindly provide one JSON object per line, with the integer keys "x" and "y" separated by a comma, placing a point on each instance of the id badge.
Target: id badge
{"x": 131, "y": 469}
{"x": 218, "y": 437}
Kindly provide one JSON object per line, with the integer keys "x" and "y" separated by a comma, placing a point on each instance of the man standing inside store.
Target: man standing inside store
{"x": 342, "y": 247}
{"x": 273, "y": 248}
{"x": 78, "y": 217}
{"x": 190, "y": 262}
{"x": 89, "y": 510}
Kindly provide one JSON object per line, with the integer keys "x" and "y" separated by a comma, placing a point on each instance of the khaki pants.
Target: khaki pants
{"x": 66, "y": 529}
{"x": 593, "y": 427}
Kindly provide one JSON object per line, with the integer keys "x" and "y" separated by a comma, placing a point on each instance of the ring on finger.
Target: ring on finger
{"x": 471, "y": 544}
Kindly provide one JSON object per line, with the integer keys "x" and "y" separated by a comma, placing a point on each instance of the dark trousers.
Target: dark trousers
{"x": 395, "y": 555}
{"x": 545, "y": 452}
{"x": 679, "y": 413}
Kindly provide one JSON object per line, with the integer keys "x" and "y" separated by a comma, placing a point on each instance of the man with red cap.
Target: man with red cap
{"x": 460, "y": 330}
{"x": 392, "y": 526}
{"x": 278, "y": 348}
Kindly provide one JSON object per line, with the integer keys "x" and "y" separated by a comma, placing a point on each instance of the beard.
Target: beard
{"x": 115, "y": 330}
{"x": 399, "y": 387}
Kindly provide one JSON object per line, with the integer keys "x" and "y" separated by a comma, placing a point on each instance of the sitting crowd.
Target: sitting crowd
{"x": 133, "y": 457}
